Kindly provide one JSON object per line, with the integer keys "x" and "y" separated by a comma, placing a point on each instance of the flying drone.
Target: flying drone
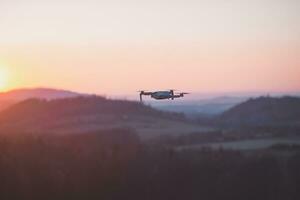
{"x": 161, "y": 95}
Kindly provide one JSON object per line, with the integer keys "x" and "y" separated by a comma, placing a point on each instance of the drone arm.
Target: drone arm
{"x": 147, "y": 93}
{"x": 179, "y": 95}
{"x": 144, "y": 93}
{"x": 176, "y": 96}
{"x": 141, "y": 97}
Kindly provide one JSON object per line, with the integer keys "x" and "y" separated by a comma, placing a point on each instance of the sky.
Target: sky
{"x": 118, "y": 47}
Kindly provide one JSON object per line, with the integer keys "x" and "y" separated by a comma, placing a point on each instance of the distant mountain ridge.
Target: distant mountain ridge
{"x": 14, "y": 96}
{"x": 201, "y": 107}
{"x": 43, "y": 93}
{"x": 264, "y": 111}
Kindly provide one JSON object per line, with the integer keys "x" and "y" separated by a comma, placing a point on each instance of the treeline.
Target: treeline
{"x": 263, "y": 111}
{"x": 35, "y": 109}
{"x": 79, "y": 166}
{"x": 225, "y": 135}
{"x": 77, "y": 113}
{"x": 214, "y": 175}
{"x": 114, "y": 164}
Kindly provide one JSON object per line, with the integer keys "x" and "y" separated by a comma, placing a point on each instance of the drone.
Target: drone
{"x": 162, "y": 95}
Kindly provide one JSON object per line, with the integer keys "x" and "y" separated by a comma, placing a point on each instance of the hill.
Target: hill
{"x": 263, "y": 111}
{"x": 82, "y": 114}
{"x": 14, "y": 96}
{"x": 202, "y": 107}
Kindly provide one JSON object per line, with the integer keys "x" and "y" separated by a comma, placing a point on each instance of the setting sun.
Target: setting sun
{"x": 3, "y": 78}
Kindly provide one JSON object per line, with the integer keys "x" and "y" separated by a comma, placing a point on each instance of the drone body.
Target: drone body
{"x": 162, "y": 95}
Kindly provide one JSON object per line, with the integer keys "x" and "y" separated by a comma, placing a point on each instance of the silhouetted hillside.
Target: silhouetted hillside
{"x": 81, "y": 114}
{"x": 39, "y": 108}
{"x": 14, "y": 96}
{"x": 264, "y": 111}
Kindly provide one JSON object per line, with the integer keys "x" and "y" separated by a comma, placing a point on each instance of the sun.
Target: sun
{"x": 3, "y": 78}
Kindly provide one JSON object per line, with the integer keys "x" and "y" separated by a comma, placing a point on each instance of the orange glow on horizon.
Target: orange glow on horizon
{"x": 124, "y": 70}
{"x": 119, "y": 48}
{"x": 4, "y": 78}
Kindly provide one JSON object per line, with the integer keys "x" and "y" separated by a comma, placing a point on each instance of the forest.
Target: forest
{"x": 116, "y": 164}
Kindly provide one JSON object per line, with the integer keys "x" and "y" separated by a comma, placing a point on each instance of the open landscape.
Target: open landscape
{"x": 92, "y": 147}
{"x": 149, "y": 100}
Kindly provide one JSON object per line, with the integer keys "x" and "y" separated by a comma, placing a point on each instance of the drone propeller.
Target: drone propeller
{"x": 183, "y": 93}
{"x": 172, "y": 90}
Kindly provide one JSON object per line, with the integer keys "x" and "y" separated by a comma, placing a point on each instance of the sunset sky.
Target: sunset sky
{"x": 119, "y": 47}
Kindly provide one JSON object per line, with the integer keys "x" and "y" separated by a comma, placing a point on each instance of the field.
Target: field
{"x": 250, "y": 144}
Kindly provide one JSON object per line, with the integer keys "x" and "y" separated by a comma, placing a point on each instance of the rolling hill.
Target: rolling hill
{"x": 82, "y": 114}
{"x": 263, "y": 111}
